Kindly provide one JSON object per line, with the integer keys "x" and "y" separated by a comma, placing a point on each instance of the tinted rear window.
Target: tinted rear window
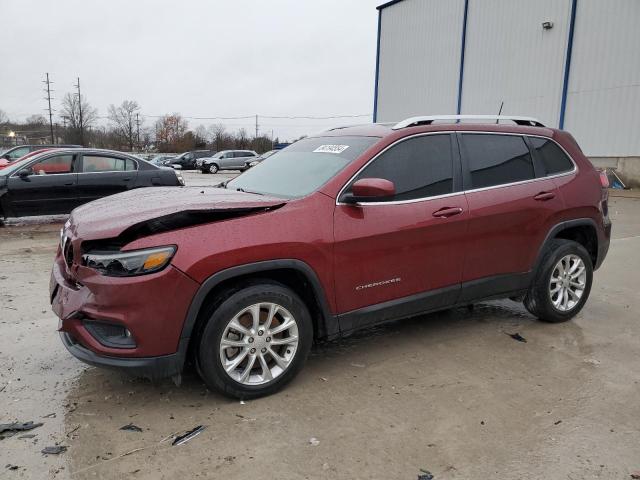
{"x": 497, "y": 159}
{"x": 552, "y": 157}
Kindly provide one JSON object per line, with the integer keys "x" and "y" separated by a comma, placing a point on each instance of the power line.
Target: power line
{"x": 287, "y": 117}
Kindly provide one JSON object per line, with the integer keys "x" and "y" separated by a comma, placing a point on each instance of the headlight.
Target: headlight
{"x": 254, "y": 163}
{"x": 180, "y": 178}
{"x": 127, "y": 264}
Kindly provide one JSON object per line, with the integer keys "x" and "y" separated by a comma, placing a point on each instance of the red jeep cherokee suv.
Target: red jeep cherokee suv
{"x": 339, "y": 231}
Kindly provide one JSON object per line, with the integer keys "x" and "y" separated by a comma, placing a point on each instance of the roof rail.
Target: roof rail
{"x": 428, "y": 120}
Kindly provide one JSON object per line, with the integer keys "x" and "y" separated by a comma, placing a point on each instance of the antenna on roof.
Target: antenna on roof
{"x": 500, "y": 111}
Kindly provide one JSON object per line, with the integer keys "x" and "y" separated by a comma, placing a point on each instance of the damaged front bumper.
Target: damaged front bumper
{"x": 131, "y": 323}
{"x": 153, "y": 368}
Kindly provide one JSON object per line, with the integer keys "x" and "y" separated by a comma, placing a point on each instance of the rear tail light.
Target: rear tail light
{"x": 604, "y": 180}
{"x": 604, "y": 199}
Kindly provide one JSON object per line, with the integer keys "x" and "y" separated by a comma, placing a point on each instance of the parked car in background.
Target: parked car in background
{"x": 58, "y": 180}
{"x": 187, "y": 160}
{"x": 4, "y": 162}
{"x": 163, "y": 159}
{"x": 227, "y": 160}
{"x": 19, "y": 151}
{"x": 339, "y": 231}
{"x": 260, "y": 158}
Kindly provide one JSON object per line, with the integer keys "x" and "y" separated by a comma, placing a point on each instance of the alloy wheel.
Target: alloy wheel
{"x": 213, "y": 168}
{"x": 259, "y": 343}
{"x": 568, "y": 282}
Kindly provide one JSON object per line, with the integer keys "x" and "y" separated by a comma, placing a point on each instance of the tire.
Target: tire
{"x": 211, "y": 355}
{"x": 541, "y": 300}
{"x": 213, "y": 168}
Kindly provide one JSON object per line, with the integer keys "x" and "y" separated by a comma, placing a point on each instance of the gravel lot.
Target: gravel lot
{"x": 450, "y": 392}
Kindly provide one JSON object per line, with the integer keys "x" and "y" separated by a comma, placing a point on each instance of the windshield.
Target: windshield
{"x": 302, "y": 167}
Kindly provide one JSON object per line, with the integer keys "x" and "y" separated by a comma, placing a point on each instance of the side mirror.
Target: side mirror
{"x": 6, "y": 156}
{"x": 25, "y": 172}
{"x": 370, "y": 190}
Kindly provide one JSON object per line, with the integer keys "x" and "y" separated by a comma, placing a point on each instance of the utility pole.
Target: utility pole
{"x": 256, "y": 126}
{"x": 80, "y": 113}
{"x": 138, "y": 129}
{"x": 48, "y": 90}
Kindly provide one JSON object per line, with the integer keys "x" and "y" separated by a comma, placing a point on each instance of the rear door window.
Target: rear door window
{"x": 419, "y": 167}
{"x": 496, "y": 159}
{"x": 551, "y": 156}
{"x": 101, "y": 163}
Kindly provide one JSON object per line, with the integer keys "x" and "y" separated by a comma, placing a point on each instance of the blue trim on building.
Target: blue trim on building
{"x": 388, "y": 4}
{"x": 567, "y": 64}
{"x": 375, "y": 88}
{"x": 462, "y": 49}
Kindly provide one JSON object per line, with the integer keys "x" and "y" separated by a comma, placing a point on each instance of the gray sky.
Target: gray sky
{"x": 199, "y": 58}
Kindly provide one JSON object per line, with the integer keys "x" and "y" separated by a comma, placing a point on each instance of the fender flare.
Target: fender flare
{"x": 327, "y": 327}
{"x": 553, "y": 231}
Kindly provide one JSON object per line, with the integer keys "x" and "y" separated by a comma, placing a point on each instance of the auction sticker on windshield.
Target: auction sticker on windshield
{"x": 331, "y": 149}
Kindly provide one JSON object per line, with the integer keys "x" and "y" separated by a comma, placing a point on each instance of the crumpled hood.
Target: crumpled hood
{"x": 146, "y": 211}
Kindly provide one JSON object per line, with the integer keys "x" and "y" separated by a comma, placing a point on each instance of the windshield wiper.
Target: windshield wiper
{"x": 239, "y": 189}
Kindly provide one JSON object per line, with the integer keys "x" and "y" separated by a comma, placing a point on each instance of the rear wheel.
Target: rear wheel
{"x": 255, "y": 342}
{"x": 563, "y": 282}
{"x": 213, "y": 168}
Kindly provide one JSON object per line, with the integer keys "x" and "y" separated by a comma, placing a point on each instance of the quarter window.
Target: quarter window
{"x": 497, "y": 159}
{"x": 99, "y": 163}
{"x": 553, "y": 159}
{"x": 419, "y": 167}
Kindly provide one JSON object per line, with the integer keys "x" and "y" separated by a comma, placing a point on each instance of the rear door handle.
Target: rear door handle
{"x": 126, "y": 179}
{"x": 68, "y": 184}
{"x": 447, "y": 212}
{"x": 544, "y": 196}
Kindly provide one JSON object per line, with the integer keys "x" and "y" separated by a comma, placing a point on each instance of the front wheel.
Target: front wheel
{"x": 213, "y": 168}
{"x": 563, "y": 282}
{"x": 255, "y": 341}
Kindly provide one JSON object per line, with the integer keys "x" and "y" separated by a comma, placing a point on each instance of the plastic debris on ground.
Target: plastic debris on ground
{"x": 425, "y": 475}
{"x": 181, "y": 439}
{"x": 55, "y": 450}
{"x": 131, "y": 428}
{"x": 10, "y": 429}
{"x": 518, "y": 337}
{"x": 314, "y": 442}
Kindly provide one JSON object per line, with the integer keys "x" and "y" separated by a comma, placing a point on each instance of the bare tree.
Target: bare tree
{"x": 3, "y": 117}
{"x": 242, "y": 138}
{"x": 36, "y": 120}
{"x": 201, "y": 136}
{"x": 217, "y": 135}
{"x": 71, "y": 107}
{"x": 171, "y": 132}
{"x": 124, "y": 121}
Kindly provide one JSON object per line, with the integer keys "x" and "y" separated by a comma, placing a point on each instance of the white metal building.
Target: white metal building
{"x": 573, "y": 64}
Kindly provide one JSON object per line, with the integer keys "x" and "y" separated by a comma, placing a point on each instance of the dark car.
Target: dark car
{"x": 187, "y": 160}
{"x": 57, "y": 181}
{"x": 21, "y": 150}
{"x": 339, "y": 231}
{"x": 162, "y": 160}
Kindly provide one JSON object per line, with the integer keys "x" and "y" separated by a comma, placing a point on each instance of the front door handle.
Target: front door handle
{"x": 126, "y": 179}
{"x": 68, "y": 184}
{"x": 446, "y": 212}
{"x": 544, "y": 196}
